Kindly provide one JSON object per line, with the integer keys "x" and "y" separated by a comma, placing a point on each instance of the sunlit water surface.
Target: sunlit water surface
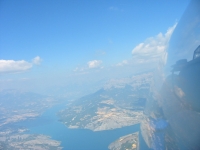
{"x": 74, "y": 139}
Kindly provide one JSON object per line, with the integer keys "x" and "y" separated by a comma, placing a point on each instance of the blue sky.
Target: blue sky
{"x": 57, "y": 43}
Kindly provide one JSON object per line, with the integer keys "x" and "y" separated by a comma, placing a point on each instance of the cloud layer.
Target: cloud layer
{"x": 8, "y": 66}
{"x": 153, "y": 48}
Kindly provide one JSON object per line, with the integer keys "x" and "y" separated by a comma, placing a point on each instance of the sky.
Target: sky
{"x": 60, "y": 46}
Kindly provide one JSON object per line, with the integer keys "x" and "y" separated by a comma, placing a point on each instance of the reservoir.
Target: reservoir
{"x": 74, "y": 139}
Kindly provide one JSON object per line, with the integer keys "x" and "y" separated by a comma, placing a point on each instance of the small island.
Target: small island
{"x": 128, "y": 142}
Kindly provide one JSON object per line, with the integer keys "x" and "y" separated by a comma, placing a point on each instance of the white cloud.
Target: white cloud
{"x": 79, "y": 69}
{"x": 94, "y": 64}
{"x": 8, "y": 66}
{"x": 124, "y": 62}
{"x": 37, "y": 60}
{"x": 14, "y": 66}
{"x": 153, "y": 49}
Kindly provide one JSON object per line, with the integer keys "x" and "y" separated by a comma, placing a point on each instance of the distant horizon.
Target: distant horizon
{"x": 48, "y": 45}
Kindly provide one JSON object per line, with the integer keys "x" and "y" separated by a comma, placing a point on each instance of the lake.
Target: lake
{"x": 74, "y": 139}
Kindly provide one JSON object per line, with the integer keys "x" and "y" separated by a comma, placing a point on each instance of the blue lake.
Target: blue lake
{"x": 74, "y": 139}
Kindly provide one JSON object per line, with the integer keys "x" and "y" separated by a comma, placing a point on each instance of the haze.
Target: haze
{"x": 69, "y": 48}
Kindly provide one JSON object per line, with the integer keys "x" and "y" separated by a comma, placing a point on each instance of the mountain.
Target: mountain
{"x": 119, "y": 103}
{"x": 17, "y": 105}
